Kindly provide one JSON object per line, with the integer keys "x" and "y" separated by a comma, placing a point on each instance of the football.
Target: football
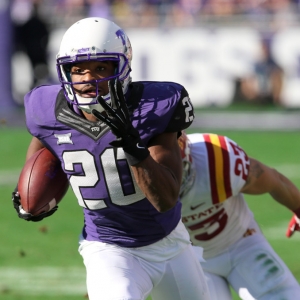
{"x": 42, "y": 183}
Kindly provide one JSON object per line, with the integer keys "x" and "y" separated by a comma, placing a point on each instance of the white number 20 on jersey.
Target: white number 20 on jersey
{"x": 92, "y": 177}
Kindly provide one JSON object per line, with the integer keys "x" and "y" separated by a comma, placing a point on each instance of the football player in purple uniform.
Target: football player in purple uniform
{"x": 217, "y": 172}
{"x": 117, "y": 143}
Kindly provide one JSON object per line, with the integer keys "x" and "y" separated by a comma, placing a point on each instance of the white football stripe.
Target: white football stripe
{"x": 52, "y": 203}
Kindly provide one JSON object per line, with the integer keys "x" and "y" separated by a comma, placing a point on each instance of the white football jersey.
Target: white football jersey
{"x": 214, "y": 211}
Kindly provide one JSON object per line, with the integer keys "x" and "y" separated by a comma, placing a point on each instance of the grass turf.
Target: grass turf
{"x": 52, "y": 244}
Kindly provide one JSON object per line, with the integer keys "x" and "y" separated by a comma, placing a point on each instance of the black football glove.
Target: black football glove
{"x": 118, "y": 120}
{"x": 28, "y": 216}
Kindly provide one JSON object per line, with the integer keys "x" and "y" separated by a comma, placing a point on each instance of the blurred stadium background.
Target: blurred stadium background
{"x": 239, "y": 60}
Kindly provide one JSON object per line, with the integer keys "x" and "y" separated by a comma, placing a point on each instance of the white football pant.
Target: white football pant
{"x": 253, "y": 269}
{"x": 167, "y": 269}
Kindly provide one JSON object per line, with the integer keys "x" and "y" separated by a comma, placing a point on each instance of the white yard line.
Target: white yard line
{"x": 43, "y": 280}
{"x": 278, "y": 233}
{"x": 61, "y": 281}
{"x": 8, "y": 177}
{"x": 292, "y": 171}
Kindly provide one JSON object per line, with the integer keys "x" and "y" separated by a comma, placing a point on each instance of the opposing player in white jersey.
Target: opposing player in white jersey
{"x": 216, "y": 174}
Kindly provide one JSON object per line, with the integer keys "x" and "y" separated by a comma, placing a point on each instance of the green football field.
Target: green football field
{"x": 39, "y": 261}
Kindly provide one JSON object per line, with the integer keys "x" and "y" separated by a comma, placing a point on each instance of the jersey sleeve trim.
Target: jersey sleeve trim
{"x": 219, "y": 167}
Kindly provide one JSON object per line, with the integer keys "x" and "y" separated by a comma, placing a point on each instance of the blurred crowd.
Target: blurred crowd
{"x": 153, "y": 13}
{"x": 34, "y": 20}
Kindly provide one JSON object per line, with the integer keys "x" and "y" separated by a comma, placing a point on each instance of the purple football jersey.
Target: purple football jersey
{"x": 115, "y": 209}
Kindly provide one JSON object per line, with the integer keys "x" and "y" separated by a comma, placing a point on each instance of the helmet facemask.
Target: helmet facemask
{"x": 188, "y": 170}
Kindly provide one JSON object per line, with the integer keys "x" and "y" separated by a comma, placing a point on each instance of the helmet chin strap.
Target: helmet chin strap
{"x": 89, "y": 107}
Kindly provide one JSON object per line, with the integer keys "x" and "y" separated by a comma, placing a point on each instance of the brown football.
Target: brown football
{"x": 42, "y": 182}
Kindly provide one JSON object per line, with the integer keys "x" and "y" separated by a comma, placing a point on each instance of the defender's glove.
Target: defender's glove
{"x": 294, "y": 225}
{"x": 28, "y": 216}
{"x": 118, "y": 120}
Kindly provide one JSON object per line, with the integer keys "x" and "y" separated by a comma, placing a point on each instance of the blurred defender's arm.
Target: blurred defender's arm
{"x": 263, "y": 179}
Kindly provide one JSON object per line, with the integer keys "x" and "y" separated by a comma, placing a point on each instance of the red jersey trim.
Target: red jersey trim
{"x": 219, "y": 167}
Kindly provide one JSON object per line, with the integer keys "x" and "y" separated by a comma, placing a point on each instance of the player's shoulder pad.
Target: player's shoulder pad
{"x": 40, "y": 105}
{"x": 240, "y": 165}
{"x": 224, "y": 143}
{"x": 42, "y": 96}
{"x": 183, "y": 115}
{"x": 236, "y": 149}
{"x": 174, "y": 98}
{"x": 223, "y": 154}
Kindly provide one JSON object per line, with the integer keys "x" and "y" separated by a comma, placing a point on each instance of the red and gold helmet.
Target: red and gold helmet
{"x": 188, "y": 174}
